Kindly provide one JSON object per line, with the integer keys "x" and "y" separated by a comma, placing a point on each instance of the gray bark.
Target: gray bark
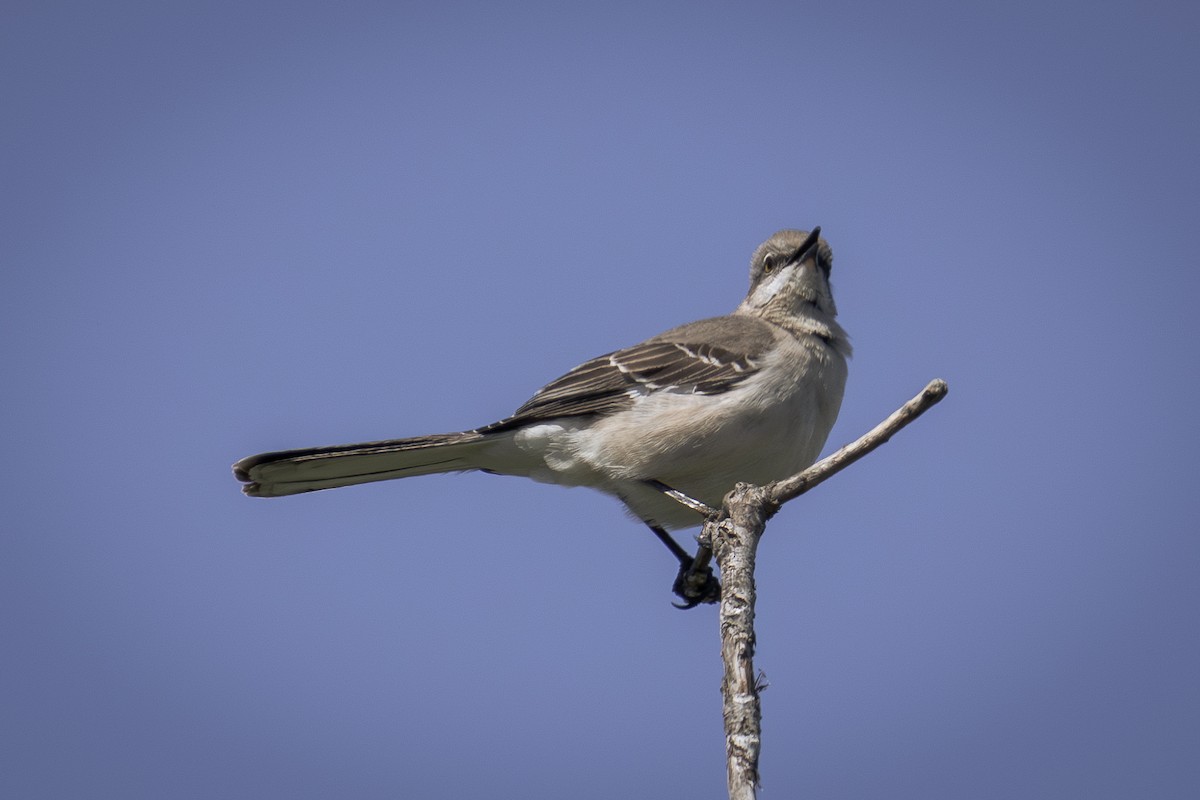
{"x": 732, "y": 536}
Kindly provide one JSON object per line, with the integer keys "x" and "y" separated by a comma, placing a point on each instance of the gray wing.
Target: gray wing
{"x": 706, "y": 357}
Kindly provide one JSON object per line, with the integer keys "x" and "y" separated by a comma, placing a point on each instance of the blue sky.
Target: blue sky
{"x": 233, "y": 227}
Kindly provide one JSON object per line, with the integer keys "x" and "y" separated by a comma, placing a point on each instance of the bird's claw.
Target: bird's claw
{"x": 695, "y": 586}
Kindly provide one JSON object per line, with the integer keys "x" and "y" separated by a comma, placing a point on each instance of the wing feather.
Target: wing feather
{"x": 684, "y": 360}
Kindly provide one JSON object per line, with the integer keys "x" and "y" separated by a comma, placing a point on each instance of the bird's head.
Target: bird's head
{"x": 788, "y": 272}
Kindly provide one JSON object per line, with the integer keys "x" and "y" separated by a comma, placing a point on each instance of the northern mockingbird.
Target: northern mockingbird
{"x": 750, "y": 397}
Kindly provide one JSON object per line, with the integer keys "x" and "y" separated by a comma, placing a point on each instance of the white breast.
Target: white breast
{"x": 767, "y": 428}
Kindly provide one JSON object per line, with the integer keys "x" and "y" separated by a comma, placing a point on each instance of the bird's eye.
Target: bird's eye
{"x": 769, "y": 264}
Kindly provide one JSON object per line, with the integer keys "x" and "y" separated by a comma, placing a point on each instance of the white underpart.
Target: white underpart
{"x": 770, "y": 426}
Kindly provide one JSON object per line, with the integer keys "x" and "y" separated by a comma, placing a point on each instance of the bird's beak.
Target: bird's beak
{"x": 810, "y": 244}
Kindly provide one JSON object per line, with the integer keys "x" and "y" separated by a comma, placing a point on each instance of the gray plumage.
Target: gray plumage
{"x": 746, "y": 397}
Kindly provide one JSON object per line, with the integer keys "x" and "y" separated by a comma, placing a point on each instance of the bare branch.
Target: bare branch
{"x": 734, "y": 540}
{"x": 733, "y": 537}
{"x": 781, "y": 492}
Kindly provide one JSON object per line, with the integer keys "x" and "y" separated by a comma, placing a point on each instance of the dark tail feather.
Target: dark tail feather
{"x": 295, "y": 471}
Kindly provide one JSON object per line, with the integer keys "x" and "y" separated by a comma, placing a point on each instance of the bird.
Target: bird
{"x": 746, "y": 397}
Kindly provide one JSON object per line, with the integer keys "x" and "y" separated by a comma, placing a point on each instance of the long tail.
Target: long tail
{"x": 294, "y": 471}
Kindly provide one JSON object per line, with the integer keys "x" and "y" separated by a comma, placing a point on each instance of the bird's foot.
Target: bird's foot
{"x": 696, "y": 584}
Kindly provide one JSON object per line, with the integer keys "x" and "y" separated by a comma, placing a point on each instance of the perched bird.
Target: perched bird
{"x": 747, "y": 397}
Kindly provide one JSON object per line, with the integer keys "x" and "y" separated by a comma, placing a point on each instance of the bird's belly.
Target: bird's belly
{"x": 768, "y": 428}
{"x": 704, "y": 445}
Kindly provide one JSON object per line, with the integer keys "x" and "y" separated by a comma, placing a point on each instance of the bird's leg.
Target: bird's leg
{"x": 675, "y": 547}
{"x": 695, "y": 583}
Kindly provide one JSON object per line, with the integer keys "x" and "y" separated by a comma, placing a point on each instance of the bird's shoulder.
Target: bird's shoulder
{"x": 738, "y": 334}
